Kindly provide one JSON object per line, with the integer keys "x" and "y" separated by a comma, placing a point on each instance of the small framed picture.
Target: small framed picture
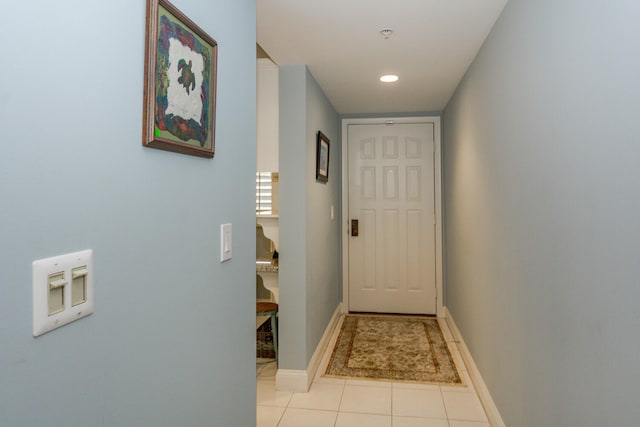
{"x": 322, "y": 158}
{"x": 180, "y": 83}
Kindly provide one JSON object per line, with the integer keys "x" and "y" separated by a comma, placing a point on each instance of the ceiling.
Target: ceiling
{"x": 432, "y": 45}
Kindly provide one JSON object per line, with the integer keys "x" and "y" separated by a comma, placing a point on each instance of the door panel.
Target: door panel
{"x": 391, "y": 194}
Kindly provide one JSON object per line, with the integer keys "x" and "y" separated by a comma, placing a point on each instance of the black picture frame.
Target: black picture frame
{"x": 322, "y": 157}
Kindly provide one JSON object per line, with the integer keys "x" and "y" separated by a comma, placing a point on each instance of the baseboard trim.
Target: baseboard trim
{"x": 292, "y": 380}
{"x": 481, "y": 388}
{"x": 300, "y": 380}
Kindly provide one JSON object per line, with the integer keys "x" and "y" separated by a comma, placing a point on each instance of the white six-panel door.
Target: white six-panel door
{"x": 391, "y": 185}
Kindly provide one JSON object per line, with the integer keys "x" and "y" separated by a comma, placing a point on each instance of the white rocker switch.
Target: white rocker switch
{"x": 79, "y": 285}
{"x": 55, "y": 295}
{"x": 226, "y": 242}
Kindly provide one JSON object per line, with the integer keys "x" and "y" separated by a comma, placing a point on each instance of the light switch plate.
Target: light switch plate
{"x": 57, "y": 274}
{"x": 226, "y": 242}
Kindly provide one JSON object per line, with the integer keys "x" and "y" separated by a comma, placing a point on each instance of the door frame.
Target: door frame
{"x": 435, "y": 120}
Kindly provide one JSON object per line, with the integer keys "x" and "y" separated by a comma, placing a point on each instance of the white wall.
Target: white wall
{"x": 171, "y": 341}
{"x": 542, "y": 212}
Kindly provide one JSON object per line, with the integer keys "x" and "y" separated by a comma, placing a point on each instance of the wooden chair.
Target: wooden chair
{"x": 268, "y": 308}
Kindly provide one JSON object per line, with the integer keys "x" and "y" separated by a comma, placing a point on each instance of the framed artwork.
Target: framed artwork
{"x": 322, "y": 158}
{"x": 180, "y": 74}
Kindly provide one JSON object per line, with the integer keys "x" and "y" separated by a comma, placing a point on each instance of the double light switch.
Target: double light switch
{"x": 62, "y": 290}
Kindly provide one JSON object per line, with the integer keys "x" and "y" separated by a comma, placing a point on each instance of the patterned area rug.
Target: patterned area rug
{"x": 395, "y": 348}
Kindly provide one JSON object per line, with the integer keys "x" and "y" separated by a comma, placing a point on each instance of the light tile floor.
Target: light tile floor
{"x": 333, "y": 402}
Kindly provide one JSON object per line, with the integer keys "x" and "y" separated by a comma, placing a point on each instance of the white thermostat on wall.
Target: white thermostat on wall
{"x": 62, "y": 290}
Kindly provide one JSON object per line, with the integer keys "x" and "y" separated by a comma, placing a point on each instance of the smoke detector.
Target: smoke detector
{"x": 386, "y": 32}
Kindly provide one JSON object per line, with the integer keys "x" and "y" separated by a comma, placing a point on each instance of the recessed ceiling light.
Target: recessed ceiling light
{"x": 389, "y": 78}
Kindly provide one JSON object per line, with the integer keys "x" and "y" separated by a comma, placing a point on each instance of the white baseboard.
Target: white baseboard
{"x": 300, "y": 380}
{"x": 481, "y": 388}
{"x": 292, "y": 380}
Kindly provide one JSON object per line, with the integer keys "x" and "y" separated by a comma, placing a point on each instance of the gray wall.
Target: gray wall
{"x": 293, "y": 219}
{"x": 324, "y": 259}
{"x": 310, "y": 263}
{"x": 542, "y": 212}
{"x": 171, "y": 341}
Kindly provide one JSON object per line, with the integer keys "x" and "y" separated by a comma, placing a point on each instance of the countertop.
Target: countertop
{"x": 266, "y": 268}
